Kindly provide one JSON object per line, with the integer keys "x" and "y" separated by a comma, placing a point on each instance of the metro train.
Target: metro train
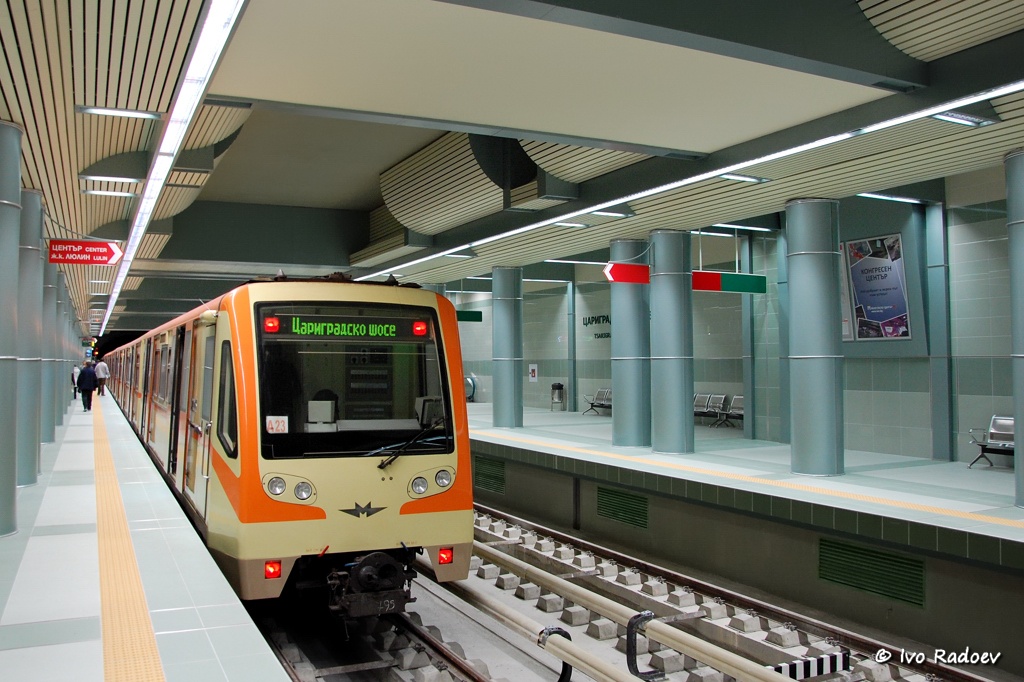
{"x": 315, "y": 432}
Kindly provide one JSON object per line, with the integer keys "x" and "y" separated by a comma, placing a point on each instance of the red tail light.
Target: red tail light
{"x": 419, "y": 328}
{"x": 445, "y": 555}
{"x": 271, "y": 570}
{"x": 271, "y": 325}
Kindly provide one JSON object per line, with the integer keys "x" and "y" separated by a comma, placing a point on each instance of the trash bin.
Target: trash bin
{"x": 557, "y": 397}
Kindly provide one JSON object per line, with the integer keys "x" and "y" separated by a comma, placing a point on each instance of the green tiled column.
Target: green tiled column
{"x": 940, "y": 362}
{"x": 48, "y": 397}
{"x": 1014, "y": 163}
{"x": 815, "y": 337}
{"x": 30, "y": 335}
{"x": 631, "y": 351}
{"x": 672, "y": 428}
{"x": 507, "y": 345}
{"x": 10, "y": 233}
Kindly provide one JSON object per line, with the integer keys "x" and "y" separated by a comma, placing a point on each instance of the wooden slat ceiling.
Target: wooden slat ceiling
{"x": 578, "y": 164}
{"x": 56, "y": 55}
{"x": 913, "y": 152}
{"x": 439, "y": 187}
{"x": 125, "y": 54}
{"x": 930, "y": 29}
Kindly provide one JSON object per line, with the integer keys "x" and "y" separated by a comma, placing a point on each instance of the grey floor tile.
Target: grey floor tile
{"x": 24, "y": 635}
{"x": 78, "y": 661}
{"x": 224, "y": 615}
{"x": 185, "y": 647}
{"x": 194, "y": 671}
{"x": 254, "y": 668}
{"x": 237, "y": 640}
{"x": 175, "y": 620}
{"x": 69, "y": 504}
{"x": 45, "y": 589}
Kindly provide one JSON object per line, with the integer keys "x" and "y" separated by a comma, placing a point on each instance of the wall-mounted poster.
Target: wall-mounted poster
{"x": 878, "y": 284}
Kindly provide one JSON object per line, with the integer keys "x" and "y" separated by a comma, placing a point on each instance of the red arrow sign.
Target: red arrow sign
{"x": 83, "y": 252}
{"x": 628, "y": 273}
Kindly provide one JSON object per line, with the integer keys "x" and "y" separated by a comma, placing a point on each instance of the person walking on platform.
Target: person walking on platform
{"x": 75, "y": 371}
{"x": 87, "y": 384}
{"x": 102, "y": 374}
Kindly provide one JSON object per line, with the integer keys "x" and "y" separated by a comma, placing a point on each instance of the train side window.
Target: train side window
{"x": 227, "y": 410}
{"x": 207, "y": 407}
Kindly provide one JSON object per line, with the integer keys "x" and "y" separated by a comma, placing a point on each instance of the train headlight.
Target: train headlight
{"x": 276, "y": 485}
{"x": 443, "y": 478}
{"x": 303, "y": 490}
{"x": 419, "y": 485}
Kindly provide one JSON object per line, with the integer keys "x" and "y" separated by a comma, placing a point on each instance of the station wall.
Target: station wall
{"x": 887, "y": 398}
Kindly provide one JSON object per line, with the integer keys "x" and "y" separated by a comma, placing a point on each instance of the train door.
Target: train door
{"x": 144, "y": 383}
{"x": 183, "y": 353}
{"x": 154, "y": 360}
{"x": 200, "y": 413}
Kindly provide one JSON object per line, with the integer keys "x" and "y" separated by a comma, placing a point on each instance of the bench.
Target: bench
{"x": 727, "y": 414}
{"x": 997, "y": 440}
{"x": 602, "y": 399}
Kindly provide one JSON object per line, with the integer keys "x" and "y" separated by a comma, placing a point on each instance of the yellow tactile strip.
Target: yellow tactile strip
{"x": 1015, "y": 523}
{"x": 130, "y": 652}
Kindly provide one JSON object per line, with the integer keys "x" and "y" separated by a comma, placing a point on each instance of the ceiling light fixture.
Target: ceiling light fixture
{"x": 889, "y": 197}
{"x": 563, "y": 224}
{"x": 704, "y": 233}
{"x": 213, "y": 37}
{"x": 732, "y": 168}
{"x": 108, "y": 193}
{"x": 127, "y": 113}
{"x": 742, "y": 178}
{"x": 609, "y": 214}
{"x": 960, "y": 119}
{"x": 109, "y": 178}
{"x": 742, "y": 227}
{"x": 575, "y": 262}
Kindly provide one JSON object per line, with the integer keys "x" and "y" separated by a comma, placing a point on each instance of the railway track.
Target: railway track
{"x": 764, "y": 633}
{"x": 536, "y": 599}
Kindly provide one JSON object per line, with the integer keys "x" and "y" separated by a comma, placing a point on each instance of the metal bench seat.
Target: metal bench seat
{"x": 602, "y": 399}
{"x": 996, "y": 440}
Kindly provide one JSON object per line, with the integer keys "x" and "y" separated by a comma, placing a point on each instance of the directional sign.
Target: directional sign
{"x": 739, "y": 282}
{"x": 628, "y": 273}
{"x": 84, "y": 252}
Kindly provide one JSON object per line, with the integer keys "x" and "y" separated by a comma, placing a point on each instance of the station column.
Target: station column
{"x": 672, "y": 428}
{"x": 631, "y": 351}
{"x": 48, "y": 398}
{"x": 63, "y": 329}
{"x": 1014, "y": 163}
{"x": 815, "y": 337}
{"x": 10, "y": 233}
{"x": 30, "y": 336}
{"x": 507, "y": 345}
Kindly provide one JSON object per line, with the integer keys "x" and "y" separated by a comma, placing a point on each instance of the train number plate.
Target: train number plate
{"x": 277, "y": 424}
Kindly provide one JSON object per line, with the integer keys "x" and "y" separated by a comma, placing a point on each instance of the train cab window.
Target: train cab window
{"x": 227, "y": 409}
{"x": 351, "y": 379}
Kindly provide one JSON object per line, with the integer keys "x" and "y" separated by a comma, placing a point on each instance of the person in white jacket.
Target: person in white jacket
{"x": 102, "y": 374}
{"x": 75, "y": 371}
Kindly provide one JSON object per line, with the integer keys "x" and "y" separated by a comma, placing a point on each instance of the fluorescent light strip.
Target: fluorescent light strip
{"x": 889, "y": 197}
{"x": 575, "y": 262}
{"x": 110, "y": 178}
{"x": 108, "y": 193}
{"x": 217, "y": 27}
{"x": 742, "y": 227}
{"x": 710, "y": 234}
{"x": 954, "y": 119}
{"x": 609, "y": 214}
{"x": 128, "y": 113}
{"x": 570, "y": 224}
{"x": 458, "y": 255}
{"x": 942, "y": 108}
{"x": 792, "y": 151}
{"x": 740, "y": 178}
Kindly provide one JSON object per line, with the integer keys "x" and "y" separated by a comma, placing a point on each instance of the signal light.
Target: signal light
{"x": 271, "y": 325}
{"x": 445, "y": 555}
{"x": 419, "y": 328}
{"x": 271, "y": 570}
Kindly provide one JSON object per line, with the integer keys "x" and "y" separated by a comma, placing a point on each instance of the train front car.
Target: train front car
{"x": 352, "y": 453}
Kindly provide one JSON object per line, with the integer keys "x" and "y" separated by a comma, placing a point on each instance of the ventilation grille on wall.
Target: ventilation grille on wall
{"x": 872, "y": 570}
{"x": 621, "y": 506}
{"x": 489, "y": 474}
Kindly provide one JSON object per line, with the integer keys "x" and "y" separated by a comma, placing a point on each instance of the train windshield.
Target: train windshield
{"x": 351, "y": 379}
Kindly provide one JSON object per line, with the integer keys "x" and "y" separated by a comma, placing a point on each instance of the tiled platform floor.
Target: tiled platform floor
{"x": 937, "y": 506}
{"x": 52, "y": 620}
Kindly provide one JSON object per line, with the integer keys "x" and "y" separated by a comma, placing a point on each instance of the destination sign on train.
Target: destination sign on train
{"x": 342, "y": 327}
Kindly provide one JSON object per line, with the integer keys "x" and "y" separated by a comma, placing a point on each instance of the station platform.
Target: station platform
{"x": 919, "y": 504}
{"x": 106, "y": 579}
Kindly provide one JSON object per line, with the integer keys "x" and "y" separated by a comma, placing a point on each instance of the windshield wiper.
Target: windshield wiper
{"x": 397, "y": 453}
